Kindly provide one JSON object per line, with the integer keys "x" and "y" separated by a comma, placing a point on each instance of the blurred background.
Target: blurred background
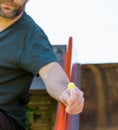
{"x": 93, "y": 24}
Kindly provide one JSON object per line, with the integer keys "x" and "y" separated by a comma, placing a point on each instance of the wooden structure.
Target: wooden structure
{"x": 100, "y": 85}
{"x": 40, "y": 100}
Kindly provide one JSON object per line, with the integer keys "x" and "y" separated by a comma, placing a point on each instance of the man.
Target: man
{"x": 25, "y": 52}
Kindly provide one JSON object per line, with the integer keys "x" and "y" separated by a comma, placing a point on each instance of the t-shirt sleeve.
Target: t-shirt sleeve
{"x": 37, "y": 52}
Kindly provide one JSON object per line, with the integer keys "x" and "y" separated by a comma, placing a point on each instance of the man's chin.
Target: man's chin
{"x": 11, "y": 15}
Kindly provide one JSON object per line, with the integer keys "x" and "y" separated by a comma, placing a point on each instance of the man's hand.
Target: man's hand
{"x": 56, "y": 82}
{"x": 73, "y": 100}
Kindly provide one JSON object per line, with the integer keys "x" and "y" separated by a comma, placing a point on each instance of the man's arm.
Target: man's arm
{"x": 56, "y": 82}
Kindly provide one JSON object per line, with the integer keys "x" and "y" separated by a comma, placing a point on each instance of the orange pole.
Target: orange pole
{"x": 61, "y": 115}
{"x": 68, "y": 58}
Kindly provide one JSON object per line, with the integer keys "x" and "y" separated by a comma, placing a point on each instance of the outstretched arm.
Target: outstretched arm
{"x": 56, "y": 82}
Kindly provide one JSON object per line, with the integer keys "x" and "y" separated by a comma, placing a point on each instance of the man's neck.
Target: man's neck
{"x": 5, "y": 22}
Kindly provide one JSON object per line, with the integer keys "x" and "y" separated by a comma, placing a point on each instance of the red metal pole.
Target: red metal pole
{"x": 61, "y": 115}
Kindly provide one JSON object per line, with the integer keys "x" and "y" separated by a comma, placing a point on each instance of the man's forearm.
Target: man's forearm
{"x": 55, "y": 79}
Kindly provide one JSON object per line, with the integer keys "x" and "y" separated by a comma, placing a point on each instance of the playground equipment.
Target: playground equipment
{"x": 65, "y": 121}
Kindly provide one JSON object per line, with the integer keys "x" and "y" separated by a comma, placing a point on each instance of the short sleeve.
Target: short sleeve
{"x": 37, "y": 52}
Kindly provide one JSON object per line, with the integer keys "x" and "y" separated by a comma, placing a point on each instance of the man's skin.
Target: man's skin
{"x": 53, "y": 75}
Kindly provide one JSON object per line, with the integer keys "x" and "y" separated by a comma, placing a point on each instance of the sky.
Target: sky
{"x": 93, "y": 25}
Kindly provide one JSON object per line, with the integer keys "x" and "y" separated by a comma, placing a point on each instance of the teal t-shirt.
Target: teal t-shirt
{"x": 24, "y": 50}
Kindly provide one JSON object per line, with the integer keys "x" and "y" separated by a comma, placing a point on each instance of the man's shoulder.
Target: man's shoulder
{"x": 29, "y": 22}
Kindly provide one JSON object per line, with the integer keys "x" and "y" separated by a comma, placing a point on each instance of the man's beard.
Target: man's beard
{"x": 18, "y": 9}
